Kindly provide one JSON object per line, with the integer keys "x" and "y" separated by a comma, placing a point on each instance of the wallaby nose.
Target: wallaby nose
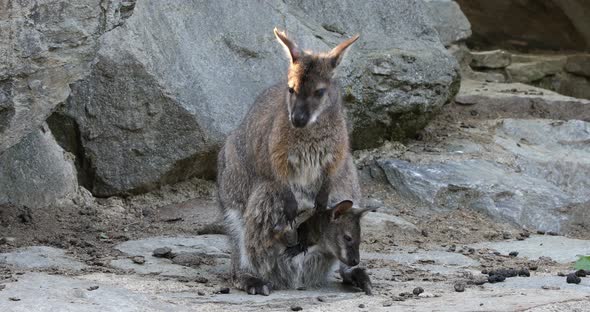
{"x": 354, "y": 262}
{"x": 299, "y": 119}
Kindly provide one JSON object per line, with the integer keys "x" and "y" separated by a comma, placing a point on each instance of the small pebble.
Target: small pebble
{"x": 362, "y": 306}
{"x": 552, "y": 233}
{"x": 506, "y": 235}
{"x": 201, "y": 280}
{"x": 224, "y": 290}
{"x": 138, "y": 259}
{"x": 581, "y": 273}
{"x": 200, "y": 293}
{"x": 560, "y": 274}
{"x": 540, "y": 232}
{"x": 524, "y": 272}
{"x": 513, "y": 254}
{"x": 321, "y": 299}
{"x": 418, "y": 290}
{"x": 162, "y": 252}
{"x": 296, "y": 308}
{"x": 426, "y": 295}
{"x": 533, "y": 267}
{"x": 573, "y": 279}
{"x": 91, "y": 288}
{"x": 496, "y": 278}
{"x": 387, "y": 304}
{"x": 459, "y": 287}
{"x": 547, "y": 287}
{"x": 14, "y": 299}
{"x": 2, "y": 287}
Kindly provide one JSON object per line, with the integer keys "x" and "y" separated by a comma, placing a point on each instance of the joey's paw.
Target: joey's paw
{"x": 290, "y": 210}
{"x": 295, "y": 250}
{"x": 256, "y": 286}
{"x": 360, "y": 279}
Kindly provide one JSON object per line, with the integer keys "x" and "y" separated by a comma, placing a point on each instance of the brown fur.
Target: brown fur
{"x": 267, "y": 161}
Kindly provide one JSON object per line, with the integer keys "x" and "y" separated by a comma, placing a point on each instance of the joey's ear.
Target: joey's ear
{"x": 290, "y": 47}
{"x": 338, "y": 52}
{"x": 341, "y": 209}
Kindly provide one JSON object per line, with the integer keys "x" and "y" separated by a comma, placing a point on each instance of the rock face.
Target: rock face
{"x": 448, "y": 19}
{"x": 529, "y": 24}
{"x": 45, "y": 46}
{"x": 167, "y": 87}
{"x": 36, "y": 172}
{"x": 533, "y": 173}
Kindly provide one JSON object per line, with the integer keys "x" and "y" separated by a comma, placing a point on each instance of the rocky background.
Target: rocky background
{"x": 470, "y": 119}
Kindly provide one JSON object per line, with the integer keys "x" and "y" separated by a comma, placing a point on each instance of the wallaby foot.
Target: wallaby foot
{"x": 255, "y": 286}
{"x": 321, "y": 199}
{"x": 357, "y": 277}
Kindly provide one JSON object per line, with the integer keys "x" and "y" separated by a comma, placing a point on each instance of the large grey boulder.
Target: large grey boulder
{"x": 530, "y": 172}
{"x": 448, "y": 19}
{"x": 44, "y": 47}
{"x": 168, "y": 85}
{"x": 37, "y": 172}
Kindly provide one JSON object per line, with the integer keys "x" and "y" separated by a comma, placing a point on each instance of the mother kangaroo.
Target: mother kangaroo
{"x": 290, "y": 154}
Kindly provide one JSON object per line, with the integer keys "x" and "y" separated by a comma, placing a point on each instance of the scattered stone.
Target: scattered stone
{"x": 478, "y": 281}
{"x": 200, "y": 293}
{"x": 187, "y": 259}
{"x": 224, "y": 290}
{"x": 14, "y": 299}
{"x": 91, "y": 288}
{"x": 418, "y": 290}
{"x": 387, "y": 304}
{"x": 581, "y": 273}
{"x": 496, "y": 278}
{"x": 459, "y": 287}
{"x": 524, "y": 272}
{"x": 490, "y": 59}
{"x": 552, "y": 233}
{"x": 572, "y": 278}
{"x": 513, "y": 254}
{"x": 2, "y": 287}
{"x": 533, "y": 266}
{"x": 424, "y": 233}
{"x": 138, "y": 259}
{"x": 547, "y": 287}
{"x": 506, "y": 235}
{"x": 560, "y": 274}
{"x": 163, "y": 252}
{"x": 296, "y": 308}
{"x": 362, "y": 305}
{"x": 540, "y": 232}
{"x": 201, "y": 279}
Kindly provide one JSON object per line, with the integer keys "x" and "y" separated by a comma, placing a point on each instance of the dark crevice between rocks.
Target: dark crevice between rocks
{"x": 6, "y": 105}
{"x": 66, "y": 131}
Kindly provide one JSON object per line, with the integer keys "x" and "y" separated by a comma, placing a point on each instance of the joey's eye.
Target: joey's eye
{"x": 347, "y": 238}
{"x": 320, "y": 92}
{"x": 291, "y": 90}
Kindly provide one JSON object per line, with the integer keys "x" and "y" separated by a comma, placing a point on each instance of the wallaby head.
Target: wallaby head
{"x": 343, "y": 234}
{"x": 309, "y": 79}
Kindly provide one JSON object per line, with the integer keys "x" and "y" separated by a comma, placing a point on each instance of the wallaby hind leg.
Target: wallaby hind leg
{"x": 357, "y": 277}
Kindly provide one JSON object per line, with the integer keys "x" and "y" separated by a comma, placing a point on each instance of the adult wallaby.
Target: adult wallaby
{"x": 283, "y": 158}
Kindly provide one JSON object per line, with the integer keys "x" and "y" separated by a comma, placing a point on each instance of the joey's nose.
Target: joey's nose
{"x": 354, "y": 262}
{"x": 299, "y": 119}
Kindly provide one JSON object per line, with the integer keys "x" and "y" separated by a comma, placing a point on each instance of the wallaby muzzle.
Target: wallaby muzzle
{"x": 300, "y": 116}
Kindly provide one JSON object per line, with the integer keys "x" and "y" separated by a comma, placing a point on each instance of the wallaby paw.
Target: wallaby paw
{"x": 255, "y": 286}
{"x": 295, "y": 250}
{"x": 290, "y": 210}
{"x": 359, "y": 278}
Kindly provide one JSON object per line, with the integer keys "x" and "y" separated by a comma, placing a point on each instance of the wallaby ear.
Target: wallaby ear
{"x": 338, "y": 52}
{"x": 289, "y": 46}
{"x": 341, "y": 209}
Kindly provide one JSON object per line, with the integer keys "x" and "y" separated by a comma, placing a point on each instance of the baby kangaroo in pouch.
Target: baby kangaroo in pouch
{"x": 283, "y": 158}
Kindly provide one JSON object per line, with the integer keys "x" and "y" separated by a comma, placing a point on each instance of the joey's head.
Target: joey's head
{"x": 343, "y": 235}
{"x": 308, "y": 90}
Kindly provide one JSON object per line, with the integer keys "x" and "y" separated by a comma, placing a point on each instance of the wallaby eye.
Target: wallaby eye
{"x": 347, "y": 238}
{"x": 320, "y": 92}
{"x": 291, "y": 90}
